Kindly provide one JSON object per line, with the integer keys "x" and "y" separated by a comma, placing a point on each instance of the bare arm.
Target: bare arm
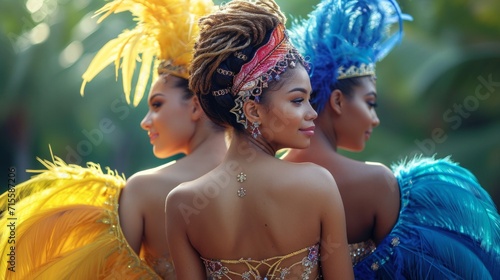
{"x": 187, "y": 262}
{"x": 388, "y": 203}
{"x": 335, "y": 259}
{"x": 131, "y": 214}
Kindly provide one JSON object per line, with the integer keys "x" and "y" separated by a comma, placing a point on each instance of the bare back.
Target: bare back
{"x": 282, "y": 212}
{"x": 272, "y": 208}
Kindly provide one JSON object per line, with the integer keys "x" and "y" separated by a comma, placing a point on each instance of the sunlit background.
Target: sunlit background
{"x": 439, "y": 91}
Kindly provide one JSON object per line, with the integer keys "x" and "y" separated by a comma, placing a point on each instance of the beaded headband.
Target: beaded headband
{"x": 269, "y": 61}
{"x": 163, "y": 38}
{"x": 344, "y": 39}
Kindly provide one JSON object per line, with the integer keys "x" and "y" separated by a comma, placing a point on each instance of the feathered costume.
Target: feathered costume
{"x": 67, "y": 227}
{"x": 448, "y": 226}
{"x": 63, "y": 223}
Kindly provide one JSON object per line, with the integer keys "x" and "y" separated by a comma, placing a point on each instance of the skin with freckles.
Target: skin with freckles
{"x": 369, "y": 190}
{"x": 175, "y": 124}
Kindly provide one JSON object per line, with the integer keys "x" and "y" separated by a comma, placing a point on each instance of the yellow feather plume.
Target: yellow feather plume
{"x": 166, "y": 31}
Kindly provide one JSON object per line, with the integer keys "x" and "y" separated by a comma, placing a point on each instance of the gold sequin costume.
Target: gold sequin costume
{"x": 302, "y": 269}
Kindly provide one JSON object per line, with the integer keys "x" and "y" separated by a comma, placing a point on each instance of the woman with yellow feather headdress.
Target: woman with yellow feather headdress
{"x": 82, "y": 223}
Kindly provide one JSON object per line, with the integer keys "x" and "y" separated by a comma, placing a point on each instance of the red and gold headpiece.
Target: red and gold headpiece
{"x": 270, "y": 60}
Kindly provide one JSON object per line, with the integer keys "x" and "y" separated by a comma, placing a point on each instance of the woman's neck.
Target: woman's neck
{"x": 207, "y": 140}
{"x": 323, "y": 144}
{"x": 325, "y": 139}
{"x": 245, "y": 147}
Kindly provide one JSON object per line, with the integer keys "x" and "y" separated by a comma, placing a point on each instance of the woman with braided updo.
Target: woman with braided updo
{"x": 255, "y": 216}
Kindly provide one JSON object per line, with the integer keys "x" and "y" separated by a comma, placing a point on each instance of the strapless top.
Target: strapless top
{"x": 249, "y": 269}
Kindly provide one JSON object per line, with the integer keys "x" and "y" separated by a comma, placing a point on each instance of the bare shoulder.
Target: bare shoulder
{"x": 183, "y": 203}
{"x": 182, "y": 192}
{"x": 152, "y": 182}
{"x": 379, "y": 176}
{"x": 315, "y": 187}
{"x": 306, "y": 167}
{"x": 163, "y": 177}
{"x": 384, "y": 197}
{"x": 186, "y": 192}
{"x": 362, "y": 177}
{"x": 310, "y": 177}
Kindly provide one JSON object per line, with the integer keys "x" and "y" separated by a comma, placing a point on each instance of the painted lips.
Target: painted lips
{"x": 309, "y": 131}
{"x": 152, "y": 137}
{"x": 368, "y": 134}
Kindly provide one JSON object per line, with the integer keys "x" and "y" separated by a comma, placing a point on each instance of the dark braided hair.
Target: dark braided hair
{"x": 236, "y": 30}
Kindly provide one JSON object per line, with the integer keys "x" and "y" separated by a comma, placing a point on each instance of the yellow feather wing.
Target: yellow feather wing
{"x": 67, "y": 227}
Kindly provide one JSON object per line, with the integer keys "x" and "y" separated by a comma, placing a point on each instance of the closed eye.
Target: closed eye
{"x": 156, "y": 100}
{"x": 372, "y": 104}
{"x": 156, "y": 104}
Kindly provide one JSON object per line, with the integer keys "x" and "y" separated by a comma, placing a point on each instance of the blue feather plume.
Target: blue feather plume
{"x": 344, "y": 33}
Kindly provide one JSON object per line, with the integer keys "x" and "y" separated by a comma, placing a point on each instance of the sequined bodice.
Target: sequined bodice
{"x": 302, "y": 269}
{"x": 162, "y": 266}
{"x": 359, "y": 251}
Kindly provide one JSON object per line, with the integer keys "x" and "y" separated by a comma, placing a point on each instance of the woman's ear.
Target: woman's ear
{"x": 196, "y": 110}
{"x": 336, "y": 101}
{"x": 251, "y": 111}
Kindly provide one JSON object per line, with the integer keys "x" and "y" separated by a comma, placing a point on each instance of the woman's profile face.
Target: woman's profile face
{"x": 168, "y": 121}
{"x": 288, "y": 118}
{"x": 355, "y": 125}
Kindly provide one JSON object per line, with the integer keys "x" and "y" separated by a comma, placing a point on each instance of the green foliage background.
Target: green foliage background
{"x": 439, "y": 90}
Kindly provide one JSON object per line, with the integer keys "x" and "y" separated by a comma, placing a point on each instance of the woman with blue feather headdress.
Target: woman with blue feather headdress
{"x": 426, "y": 218}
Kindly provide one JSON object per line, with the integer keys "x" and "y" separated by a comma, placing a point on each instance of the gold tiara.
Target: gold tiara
{"x": 162, "y": 39}
{"x": 356, "y": 71}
